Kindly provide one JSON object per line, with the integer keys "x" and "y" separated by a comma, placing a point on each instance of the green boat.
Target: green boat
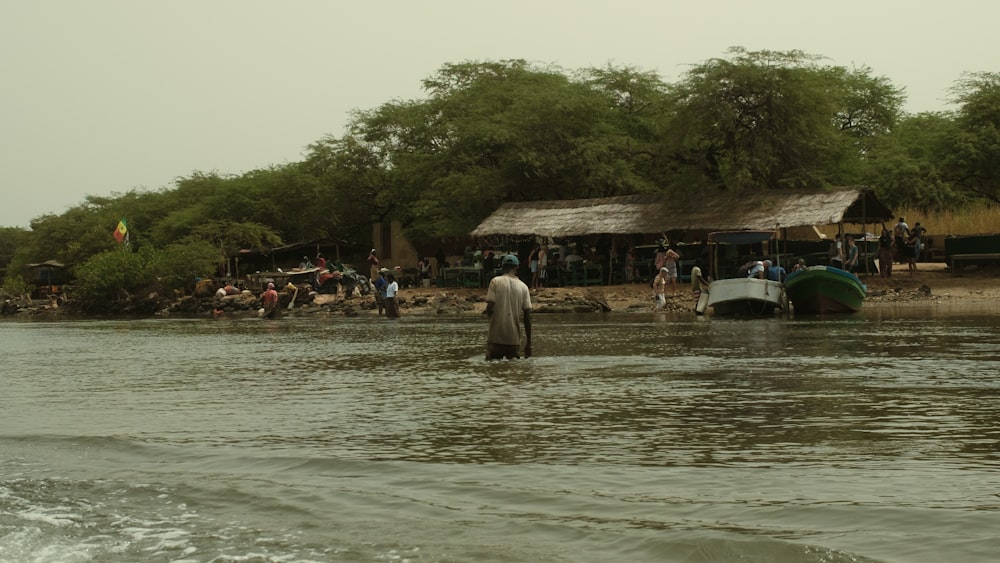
{"x": 825, "y": 289}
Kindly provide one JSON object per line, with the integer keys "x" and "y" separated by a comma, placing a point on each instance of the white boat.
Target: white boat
{"x": 745, "y": 296}
{"x": 742, "y": 295}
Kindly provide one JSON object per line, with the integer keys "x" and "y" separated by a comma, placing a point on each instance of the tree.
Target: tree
{"x": 770, "y": 119}
{"x": 11, "y": 238}
{"x": 489, "y": 132}
{"x": 974, "y": 162}
{"x": 908, "y": 167}
{"x": 114, "y": 274}
{"x": 639, "y": 102}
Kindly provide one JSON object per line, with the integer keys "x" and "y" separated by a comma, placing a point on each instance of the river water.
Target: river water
{"x": 629, "y": 437}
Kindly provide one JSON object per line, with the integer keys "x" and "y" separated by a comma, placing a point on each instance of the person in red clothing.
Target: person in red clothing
{"x": 269, "y": 300}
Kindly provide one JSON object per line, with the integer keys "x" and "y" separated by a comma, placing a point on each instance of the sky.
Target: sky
{"x": 106, "y": 96}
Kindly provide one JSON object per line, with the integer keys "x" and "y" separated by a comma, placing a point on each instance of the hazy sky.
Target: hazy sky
{"x": 100, "y": 96}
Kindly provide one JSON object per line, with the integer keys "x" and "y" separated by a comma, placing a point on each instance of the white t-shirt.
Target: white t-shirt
{"x": 510, "y": 297}
{"x": 391, "y": 289}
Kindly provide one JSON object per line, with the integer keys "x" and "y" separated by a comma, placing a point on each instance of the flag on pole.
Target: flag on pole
{"x": 121, "y": 233}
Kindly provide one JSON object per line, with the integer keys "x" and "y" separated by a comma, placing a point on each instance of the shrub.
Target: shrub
{"x": 115, "y": 274}
{"x": 179, "y": 265}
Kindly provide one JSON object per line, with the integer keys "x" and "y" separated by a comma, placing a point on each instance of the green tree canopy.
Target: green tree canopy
{"x": 767, "y": 119}
{"x": 974, "y": 162}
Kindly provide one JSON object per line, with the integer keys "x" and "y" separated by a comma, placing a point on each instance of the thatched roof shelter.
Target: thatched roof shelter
{"x": 654, "y": 213}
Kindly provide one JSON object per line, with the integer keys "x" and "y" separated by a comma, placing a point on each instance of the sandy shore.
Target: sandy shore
{"x": 931, "y": 282}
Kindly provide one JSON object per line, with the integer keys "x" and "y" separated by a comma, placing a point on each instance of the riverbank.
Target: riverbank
{"x": 932, "y": 282}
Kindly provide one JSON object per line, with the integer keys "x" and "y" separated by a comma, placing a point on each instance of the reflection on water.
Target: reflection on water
{"x": 632, "y": 389}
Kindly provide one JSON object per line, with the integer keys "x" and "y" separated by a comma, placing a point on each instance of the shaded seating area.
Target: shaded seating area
{"x": 584, "y": 274}
{"x": 463, "y": 276}
{"x": 616, "y": 224}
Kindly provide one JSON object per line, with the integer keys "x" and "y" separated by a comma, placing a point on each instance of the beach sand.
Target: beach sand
{"x": 931, "y": 282}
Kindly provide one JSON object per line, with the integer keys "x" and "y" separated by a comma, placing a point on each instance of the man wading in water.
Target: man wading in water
{"x": 506, "y": 299}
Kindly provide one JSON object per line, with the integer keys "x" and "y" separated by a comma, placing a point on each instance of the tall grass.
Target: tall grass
{"x": 982, "y": 219}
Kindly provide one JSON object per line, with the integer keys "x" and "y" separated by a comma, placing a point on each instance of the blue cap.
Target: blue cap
{"x": 510, "y": 260}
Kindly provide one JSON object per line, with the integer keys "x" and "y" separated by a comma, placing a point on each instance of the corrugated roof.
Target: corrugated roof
{"x": 644, "y": 214}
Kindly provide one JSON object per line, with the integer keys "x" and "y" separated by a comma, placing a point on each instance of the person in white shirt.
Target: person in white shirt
{"x": 507, "y": 299}
{"x": 391, "y": 305}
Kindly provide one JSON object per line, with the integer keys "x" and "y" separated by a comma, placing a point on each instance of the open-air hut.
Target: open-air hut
{"x": 48, "y": 277}
{"x": 703, "y": 212}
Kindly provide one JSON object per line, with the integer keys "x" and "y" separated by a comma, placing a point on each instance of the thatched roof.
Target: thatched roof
{"x": 645, "y": 214}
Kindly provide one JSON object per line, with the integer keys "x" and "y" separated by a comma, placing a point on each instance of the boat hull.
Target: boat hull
{"x": 745, "y": 296}
{"x": 825, "y": 289}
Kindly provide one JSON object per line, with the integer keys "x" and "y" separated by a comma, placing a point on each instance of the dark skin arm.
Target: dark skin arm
{"x": 527, "y": 332}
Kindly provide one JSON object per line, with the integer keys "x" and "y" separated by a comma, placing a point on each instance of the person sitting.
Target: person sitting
{"x": 757, "y": 270}
{"x": 800, "y": 265}
{"x": 305, "y": 264}
{"x": 573, "y": 260}
{"x": 327, "y": 282}
{"x": 489, "y": 261}
{"x": 744, "y": 270}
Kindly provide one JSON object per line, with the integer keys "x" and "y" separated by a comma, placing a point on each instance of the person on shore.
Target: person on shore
{"x": 305, "y": 264}
{"x": 837, "y": 253}
{"x": 900, "y": 232}
{"x": 917, "y": 233}
{"x": 372, "y": 264}
{"x": 320, "y": 261}
{"x": 543, "y": 266}
{"x": 391, "y": 304}
{"x": 507, "y": 299}
{"x": 670, "y": 263}
{"x": 660, "y": 289}
{"x": 269, "y": 300}
{"x": 886, "y": 242}
{"x": 698, "y": 283}
{"x": 533, "y": 265}
{"x": 851, "y": 255}
{"x": 574, "y": 259}
{"x": 381, "y": 284}
{"x": 660, "y": 258}
{"x": 441, "y": 261}
{"x": 910, "y": 254}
